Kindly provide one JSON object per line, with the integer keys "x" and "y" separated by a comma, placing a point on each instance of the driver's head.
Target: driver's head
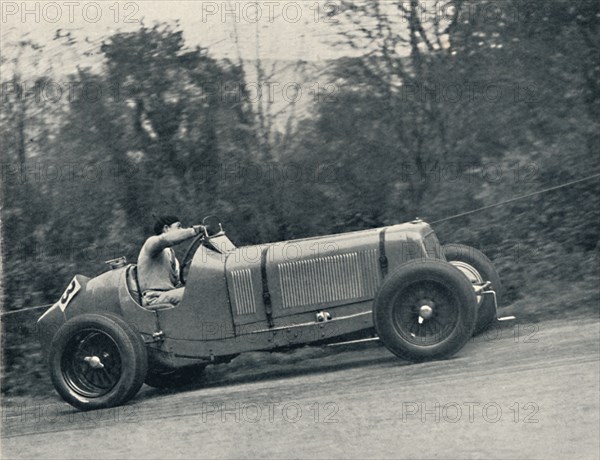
{"x": 164, "y": 224}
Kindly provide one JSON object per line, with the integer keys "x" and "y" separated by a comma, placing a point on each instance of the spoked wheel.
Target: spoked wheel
{"x": 478, "y": 269}
{"x": 91, "y": 364}
{"x": 425, "y": 310}
{"x": 97, "y": 361}
{"x": 425, "y": 313}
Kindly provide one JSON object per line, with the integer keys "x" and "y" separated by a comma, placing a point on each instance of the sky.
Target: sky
{"x": 288, "y": 30}
{"x": 274, "y": 30}
{"x": 307, "y": 30}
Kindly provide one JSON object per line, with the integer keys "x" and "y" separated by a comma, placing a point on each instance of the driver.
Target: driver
{"x": 158, "y": 268}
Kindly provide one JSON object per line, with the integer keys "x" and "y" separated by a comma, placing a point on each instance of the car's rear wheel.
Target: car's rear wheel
{"x": 174, "y": 378}
{"x": 478, "y": 269}
{"x": 97, "y": 361}
{"x": 425, "y": 310}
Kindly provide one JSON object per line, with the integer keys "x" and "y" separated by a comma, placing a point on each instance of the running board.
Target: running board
{"x": 506, "y": 318}
{"x": 369, "y": 339}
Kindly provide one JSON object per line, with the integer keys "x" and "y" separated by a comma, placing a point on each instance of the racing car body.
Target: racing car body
{"x": 393, "y": 281}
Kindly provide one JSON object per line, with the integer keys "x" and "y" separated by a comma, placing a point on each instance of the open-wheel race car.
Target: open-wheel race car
{"x": 422, "y": 300}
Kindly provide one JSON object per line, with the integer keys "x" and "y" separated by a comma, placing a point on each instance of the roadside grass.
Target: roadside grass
{"x": 549, "y": 300}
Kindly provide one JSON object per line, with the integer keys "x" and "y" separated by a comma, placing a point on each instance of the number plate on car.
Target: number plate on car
{"x": 69, "y": 293}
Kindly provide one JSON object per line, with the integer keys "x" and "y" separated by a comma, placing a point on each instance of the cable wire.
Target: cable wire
{"x": 567, "y": 184}
{"x": 23, "y": 310}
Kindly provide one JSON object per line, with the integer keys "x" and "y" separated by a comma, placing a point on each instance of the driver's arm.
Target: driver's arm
{"x": 157, "y": 243}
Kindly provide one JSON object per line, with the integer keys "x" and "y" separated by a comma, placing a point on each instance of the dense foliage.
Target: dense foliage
{"x": 436, "y": 118}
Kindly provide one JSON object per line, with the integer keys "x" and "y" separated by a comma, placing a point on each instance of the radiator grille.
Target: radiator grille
{"x": 433, "y": 247}
{"x": 329, "y": 279}
{"x": 243, "y": 292}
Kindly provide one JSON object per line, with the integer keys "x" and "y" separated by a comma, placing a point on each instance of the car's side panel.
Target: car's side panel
{"x": 244, "y": 280}
{"x": 402, "y": 245}
{"x": 184, "y": 352}
{"x": 100, "y": 294}
{"x": 204, "y": 312}
{"x": 308, "y": 275}
{"x": 142, "y": 319}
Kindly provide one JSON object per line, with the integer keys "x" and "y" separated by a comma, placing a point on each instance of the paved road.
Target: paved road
{"x": 527, "y": 391}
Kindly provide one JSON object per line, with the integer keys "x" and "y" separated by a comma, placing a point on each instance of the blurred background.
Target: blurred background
{"x": 297, "y": 120}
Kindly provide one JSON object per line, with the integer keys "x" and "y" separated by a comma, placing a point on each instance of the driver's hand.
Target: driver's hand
{"x": 199, "y": 229}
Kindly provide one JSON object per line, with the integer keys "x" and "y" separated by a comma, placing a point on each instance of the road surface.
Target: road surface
{"x": 525, "y": 391}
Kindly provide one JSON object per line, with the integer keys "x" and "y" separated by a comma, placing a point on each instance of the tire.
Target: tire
{"x": 174, "y": 379}
{"x": 97, "y": 361}
{"x": 478, "y": 269}
{"x": 425, "y": 287}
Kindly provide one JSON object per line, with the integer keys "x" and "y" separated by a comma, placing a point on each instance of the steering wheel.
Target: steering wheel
{"x": 189, "y": 255}
{"x": 212, "y": 224}
{"x": 212, "y": 227}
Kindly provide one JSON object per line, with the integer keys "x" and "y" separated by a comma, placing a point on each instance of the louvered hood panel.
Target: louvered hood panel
{"x": 329, "y": 279}
{"x": 306, "y": 275}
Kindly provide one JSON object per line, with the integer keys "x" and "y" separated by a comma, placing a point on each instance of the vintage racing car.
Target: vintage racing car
{"x": 424, "y": 301}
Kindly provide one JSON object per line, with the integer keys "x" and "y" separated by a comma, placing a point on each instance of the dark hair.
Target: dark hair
{"x": 161, "y": 221}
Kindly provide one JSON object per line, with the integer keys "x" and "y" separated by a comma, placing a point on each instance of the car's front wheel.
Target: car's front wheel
{"x": 97, "y": 361}
{"x": 425, "y": 310}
